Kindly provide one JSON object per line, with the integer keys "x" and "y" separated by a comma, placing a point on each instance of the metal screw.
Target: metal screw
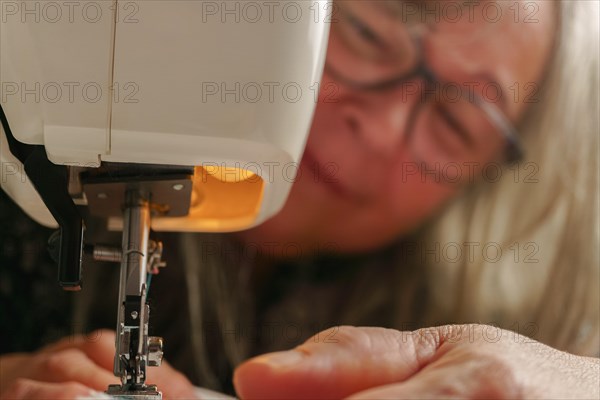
{"x": 134, "y": 314}
{"x": 178, "y": 186}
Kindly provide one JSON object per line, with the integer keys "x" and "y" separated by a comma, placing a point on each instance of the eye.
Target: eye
{"x": 449, "y": 118}
{"x": 364, "y": 31}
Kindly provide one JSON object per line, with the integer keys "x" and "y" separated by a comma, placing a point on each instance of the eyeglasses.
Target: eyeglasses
{"x": 452, "y": 123}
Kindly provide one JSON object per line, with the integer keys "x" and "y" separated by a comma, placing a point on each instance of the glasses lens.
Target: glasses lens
{"x": 374, "y": 40}
{"x": 452, "y": 139}
{"x": 366, "y": 45}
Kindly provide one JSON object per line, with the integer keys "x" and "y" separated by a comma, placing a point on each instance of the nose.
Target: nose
{"x": 380, "y": 121}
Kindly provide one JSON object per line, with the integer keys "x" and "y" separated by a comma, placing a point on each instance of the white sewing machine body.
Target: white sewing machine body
{"x": 176, "y": 115}
{"x": 170, "y": 83}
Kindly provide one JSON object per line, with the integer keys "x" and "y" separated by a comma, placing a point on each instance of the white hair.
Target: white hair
{"x": 544, "y": 220}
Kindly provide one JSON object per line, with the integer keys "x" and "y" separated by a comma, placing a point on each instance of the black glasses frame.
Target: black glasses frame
{"x": 514, "y": 151}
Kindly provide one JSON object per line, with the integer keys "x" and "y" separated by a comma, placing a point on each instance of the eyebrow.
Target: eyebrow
{"x": 393, "y": 6}
{"x": 396, "y": 8}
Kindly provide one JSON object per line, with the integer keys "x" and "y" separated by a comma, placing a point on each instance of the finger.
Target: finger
{"x": 98, "y": 345}
{"x": 28, "y": 389}
{"x": 350, "y": 360}
{"x": 73, "y": 365}
{"x": 172, "y": 383}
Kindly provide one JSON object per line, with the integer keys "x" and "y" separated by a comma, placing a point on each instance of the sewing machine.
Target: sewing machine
{"x": 163, "y": 115}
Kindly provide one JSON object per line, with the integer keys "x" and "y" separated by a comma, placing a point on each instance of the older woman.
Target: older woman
{"x": 450, "y": 177}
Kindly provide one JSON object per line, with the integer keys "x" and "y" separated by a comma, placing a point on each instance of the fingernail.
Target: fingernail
{"x": 281, "y": 358}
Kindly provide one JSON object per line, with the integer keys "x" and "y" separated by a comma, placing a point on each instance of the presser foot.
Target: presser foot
{"x": 145, "y": 392}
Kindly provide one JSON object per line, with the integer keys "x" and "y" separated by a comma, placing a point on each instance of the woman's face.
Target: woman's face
{"x": 358, "y": 188}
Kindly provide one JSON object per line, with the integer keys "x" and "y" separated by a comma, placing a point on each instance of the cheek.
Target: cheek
{"x": 412, "y": 196}
{"x": 406, "y": 201}
{"x": 402, "y": 197}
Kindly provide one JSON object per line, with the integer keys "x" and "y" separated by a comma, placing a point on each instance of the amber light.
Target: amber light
{"x": 224, "y": 199}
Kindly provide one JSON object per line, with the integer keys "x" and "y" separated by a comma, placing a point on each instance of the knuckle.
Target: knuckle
{"x": 466, "y": 333}
{"x": 58, "y": 364}
{"x": 498, "y": 377}
{"x": 427, "y": 337}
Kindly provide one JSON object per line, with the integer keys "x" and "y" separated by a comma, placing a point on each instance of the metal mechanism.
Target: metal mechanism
{"x": 113, "y": 254}
{"x": 143, "y": 193}
{"x": 134, "y": 349}
{"x": 135, "y": 193}
{"x": 139, "y": 257}
{"x": 108, "y": 190}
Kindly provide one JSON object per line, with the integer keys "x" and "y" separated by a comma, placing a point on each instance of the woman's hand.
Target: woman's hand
{"x": 459, "y": 361}
{"x": 74, "y": 367}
